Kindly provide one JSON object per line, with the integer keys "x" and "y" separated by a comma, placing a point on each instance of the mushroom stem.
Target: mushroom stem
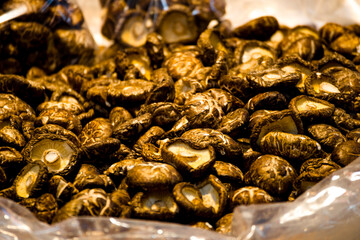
{"x": 51, "y": 156}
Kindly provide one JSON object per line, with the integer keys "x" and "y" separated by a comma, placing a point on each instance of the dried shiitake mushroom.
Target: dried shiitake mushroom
{"x": 207, "y": 199}
{"x": 250, "y": 195}
{"x": 90, "y": 177}
{"x": 119, "y": 115}
{"x": 177, "y": 25}
{"x": 273, "y": 174}
{"x": 211, "y": 43}
{"x": 313, "y": 171}
{"x": 228, "y": 172}
{"x": 150, "y": 136}
{"x": 223, "y": 225}
{"x": 323, "y": 86}
{"x": 254, "y": 55}
{"x": 57, "y": 152}
{"x": 272, "y": 100}
{"x": 31, "y": 179}
{"x": 290, "y": 146}
{"x": 61, "y": 189}
{"x": 11, "y": 136}
{"x": 89, "y": 202}
{"x": 346, "y": 152}
{"x": 272, "y": 78}
{"x": 222, "y": 143}
{"x": 43, "y": 207}
{"x": 188, "y": 159}
{"x": 152, "y": 175}
{"x": 311, "y": 108}
{"x": 234, "y": 123}
{"x": 60, "y": 117}
{"x": 352, "y": 135}
{"x": 260, "y": 28}
{"x": 133, "y": 30}
{"x": 183, "y": 65}
{"x": 164, "y": 114}
{"x": 283, "y": 121}
{"x": 57, "y": 130}
{"x": 133, "y": 127}
{"x": 293, "y": 64}
{"x": 328, "y": 136}
{"x": 10, "y": 158}
{"x": 203, "y": 110}
{"x": 118, "y": 170}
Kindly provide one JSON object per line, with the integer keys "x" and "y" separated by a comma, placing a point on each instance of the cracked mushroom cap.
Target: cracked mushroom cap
{"x": 68, "y": 106}
{"x": 272, "y": 173}
{"x": 30, "y": 91}
{"x": 203, "y": 110}
{"x": 313, "y": 171}
{"x": 228, "y": 172}
{"x": 57, "y": 152}
{"x": 89, "y": 202}
{"x": 134, "y": 90}
{"x": 250, "y": 195}
{"x": 10, "y": 158}
{"x": 11, "y": 136}
{"x": 12, "y": 105}
{"x": 222, "y": 143}
{"x": 152, "y": 175}
{"x": 57, "y": 130}
{"x": 95, "y": 130}
{"x": 187, "y": 157}
{"x": 290, "y": 146}
{"x": 328, "y": 136}
{"x": 31, "y": 180}
{"x": 90, "y": 177}
{"x": 60, "y": 117}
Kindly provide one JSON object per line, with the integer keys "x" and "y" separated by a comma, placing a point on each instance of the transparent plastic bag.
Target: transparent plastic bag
{"x": 129, "y": 22}
{"x": 48, "y": 34}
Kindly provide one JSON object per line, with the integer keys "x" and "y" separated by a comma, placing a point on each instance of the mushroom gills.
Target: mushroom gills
{"x": 191, "y": 194}
{"x": 157, "y": 201}
{"x": 24, "y": 186}
{"x": 304, "y": 104}
{"x": 210, "y": 197}
{"x": 56, "y": 154}
{"x": 325, "y": 87}
{"x": 193, "y": 157}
